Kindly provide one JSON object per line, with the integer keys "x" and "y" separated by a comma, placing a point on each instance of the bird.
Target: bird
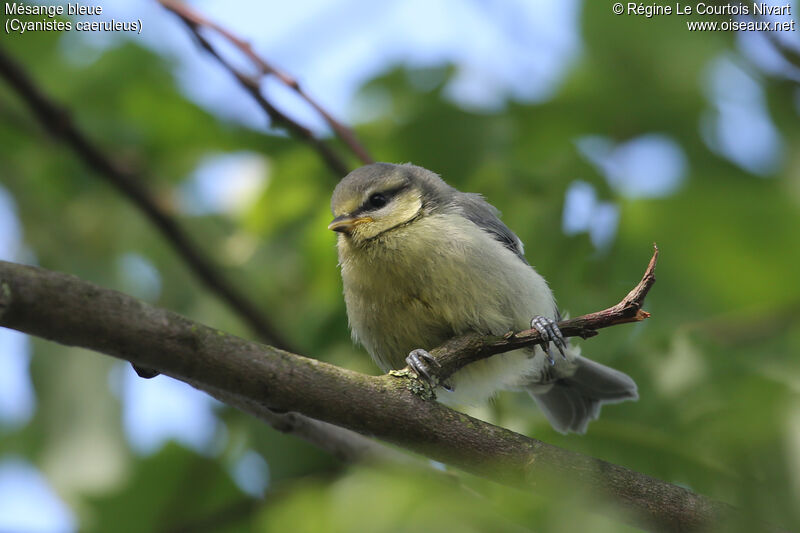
{"x": 422, "y": 262}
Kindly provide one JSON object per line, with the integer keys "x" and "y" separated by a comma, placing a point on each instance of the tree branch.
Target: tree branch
{"x": 460, "y": 351}
{"x": 255, "y": 377}
{"x": 58, "y": 122}
{"x": 195, "y": 21}
{"x": 338, "y": 441}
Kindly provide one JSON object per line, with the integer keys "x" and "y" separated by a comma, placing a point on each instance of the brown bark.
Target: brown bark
{"x": 256, "y": 377}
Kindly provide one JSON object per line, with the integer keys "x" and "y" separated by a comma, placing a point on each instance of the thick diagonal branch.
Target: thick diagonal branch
{"x": 340, "y": 442}
{"x": 255, "y": 377}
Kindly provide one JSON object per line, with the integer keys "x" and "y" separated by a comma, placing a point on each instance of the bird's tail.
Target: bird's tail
{"x": 572, "y": 402}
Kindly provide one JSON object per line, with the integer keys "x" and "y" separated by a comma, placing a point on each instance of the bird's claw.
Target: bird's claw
{"x": 549, "y": 331}
{"x": 420, "y": 362}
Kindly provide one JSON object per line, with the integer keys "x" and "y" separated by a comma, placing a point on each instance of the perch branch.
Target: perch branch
{"x": 254, "y": 377}
{"x": 460, "y": 351}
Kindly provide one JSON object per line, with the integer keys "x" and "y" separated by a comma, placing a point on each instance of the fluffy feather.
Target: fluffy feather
{"x": 434, "y": 263}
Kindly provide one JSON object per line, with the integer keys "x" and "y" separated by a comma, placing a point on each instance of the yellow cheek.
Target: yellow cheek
{"x": 405, "y": 209}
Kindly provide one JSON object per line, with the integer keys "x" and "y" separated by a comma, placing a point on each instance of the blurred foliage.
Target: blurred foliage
{"x": 716, "y": 365}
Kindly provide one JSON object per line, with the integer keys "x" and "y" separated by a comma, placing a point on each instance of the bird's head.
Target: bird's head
{"x": 379, "y": 197}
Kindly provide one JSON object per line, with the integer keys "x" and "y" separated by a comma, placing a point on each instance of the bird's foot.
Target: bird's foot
{"x": 422, "y": 368}
{"x": 548, "y": 328}
{"x": 420, "y": 361}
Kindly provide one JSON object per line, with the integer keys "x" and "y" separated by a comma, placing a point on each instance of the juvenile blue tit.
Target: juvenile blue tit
{"x": 422, "y": 262}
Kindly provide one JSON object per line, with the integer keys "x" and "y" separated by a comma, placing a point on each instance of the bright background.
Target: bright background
{"x": 595, "y": 134}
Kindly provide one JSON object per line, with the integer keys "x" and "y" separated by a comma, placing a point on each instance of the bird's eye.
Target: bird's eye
{"x": 377, "y": 200}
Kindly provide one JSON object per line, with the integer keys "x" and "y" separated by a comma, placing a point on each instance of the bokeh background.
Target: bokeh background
{"x": 595, "y": 135}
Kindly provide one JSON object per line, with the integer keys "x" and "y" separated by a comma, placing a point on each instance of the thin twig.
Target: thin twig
{"x": 460, "y": 351}
{"x": 333, "y": 161}
{"x": 195, "y": 21}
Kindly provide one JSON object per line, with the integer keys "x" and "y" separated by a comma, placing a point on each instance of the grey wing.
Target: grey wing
{"x": 486, "y": 216}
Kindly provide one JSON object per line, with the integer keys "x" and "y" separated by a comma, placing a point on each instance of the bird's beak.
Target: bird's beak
{"x": 346, "y": 223}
